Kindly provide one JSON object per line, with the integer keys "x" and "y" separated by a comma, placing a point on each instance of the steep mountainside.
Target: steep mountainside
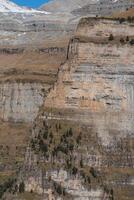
{"x": 65, "y": 6}
{"x": 32, "y": 47}
{"x": 104, "y": 7}
{"x": 87, "y": 7}
{"x": 82, "y": 141}
{"x": 9, "y": 6}
{"x": 30, "y": 54}
{"x": 124, "y": 14}
{"x": 66, "y": 102}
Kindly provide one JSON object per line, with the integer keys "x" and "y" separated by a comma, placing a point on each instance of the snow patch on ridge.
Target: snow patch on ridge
{"x": 9, "y": 6}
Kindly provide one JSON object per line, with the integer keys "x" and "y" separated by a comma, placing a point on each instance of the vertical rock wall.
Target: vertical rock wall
{"x": 82, "y": 141}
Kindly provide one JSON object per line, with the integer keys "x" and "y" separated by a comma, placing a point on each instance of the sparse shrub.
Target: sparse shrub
{"x": 81, "y": 163}
{"x": 45, "y": 135}
{"x": 71, "y": 147}
{"x": 106, "y": 189}
{"x": 44, "y": 123}
{"x": 51, "y": 135}
{"x": 68, "y": 164}
{"x": 7, "y": 186}
{"x": 122, "y": 41}
{"x": 62, "y": 149}
{"x": 59, "y": 126}
{"x": 49, "y": 178}
{"x": 82, "y": 174}
{"x": 70, "y": 132}
{"x": 121, "y": 20}
{"x": 22, "y": 187}
{"x": 43, "y": 146}
{"x": 127, "y": 39}
{"x": 16, "y": 188}
{"x": 59, "y": 190}
{"x": 33, "y": 144}
{"x": 93, "y": 172}
{"x": 88, "y": 180}
{"x": 64, "y": 192}
{"x": 39, "y": 137}
{"x": 74, "y": 171}
{"x": 129, "y": 19}
{"x": 111, "y": 37}
{"x": 131, "y": 42}
{"x": 78, "y": 139}
{"x": 111, "y": 192}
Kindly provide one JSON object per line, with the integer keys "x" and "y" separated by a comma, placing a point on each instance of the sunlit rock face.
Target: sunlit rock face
{"x": 87, "y": 7}
{"x": 59, "y": 6}
{"x": 20, "y": 102}
{"x": 82, "y": 141}
{"x": 77, "y": 93}
{"x": 98, "y": 79}
{"x": 104, "y": 7}
{"x": 32, "y": 47}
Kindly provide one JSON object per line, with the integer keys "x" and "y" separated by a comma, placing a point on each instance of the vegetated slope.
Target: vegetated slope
{"x": 82, "y": 140}
{"x": 125, "y": 14}
{"x": 32, "y": 47}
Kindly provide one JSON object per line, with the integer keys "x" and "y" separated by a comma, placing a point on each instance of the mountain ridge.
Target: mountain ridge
{"x": 65, "y": 6}
{"x": 9, "y": 6}
{"x": 66, "y": 103}
{"x": 87, "y": 7}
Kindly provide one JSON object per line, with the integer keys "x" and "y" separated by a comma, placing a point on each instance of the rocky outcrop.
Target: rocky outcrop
{"x": 88, "y": 7}
{"x": 29, "y": 63}
{"x": 20, "y": 102}
{"x": 59, "y": 6}
{"x": 25, "y": 79}
{"x": 32, "y": 47}
{"x": 98, "y": 77}
{"x": 81, "y": 145}
{"x": 104, "y": 7}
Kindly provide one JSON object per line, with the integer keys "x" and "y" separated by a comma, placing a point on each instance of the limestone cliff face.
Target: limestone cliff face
{"x": 104, "y": 7}
{"x": 31, "y": 52}
{"x": 81, "y": 145}
{"x": 20, "y": 102}
{"x": 32, "y": 47}
{"x": 88, "y": 7}
{"x": 26, "y": 75}
{"x": 98, "y": 79}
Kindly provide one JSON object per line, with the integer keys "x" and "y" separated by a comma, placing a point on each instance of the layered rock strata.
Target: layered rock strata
{"x": 88, "y": 7}
{"x": 81, "y": 145}
{"x": 104, "y": 7}
{"x": 32, "y": 47}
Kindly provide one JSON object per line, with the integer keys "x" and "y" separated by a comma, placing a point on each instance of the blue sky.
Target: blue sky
{"x": 30, "y": 3}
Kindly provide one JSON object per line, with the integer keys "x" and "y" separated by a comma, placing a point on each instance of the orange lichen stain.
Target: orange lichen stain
{"x": 123, "y": 105}
{"x": 92, "y": 105}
